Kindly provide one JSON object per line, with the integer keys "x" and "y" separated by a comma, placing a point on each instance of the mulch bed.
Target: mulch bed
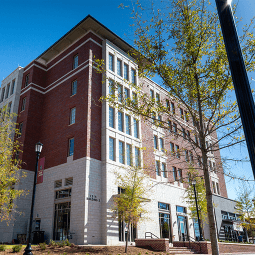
{"x": 88, "y": 250}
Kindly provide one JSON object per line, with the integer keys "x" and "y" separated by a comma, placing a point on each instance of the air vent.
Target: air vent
{"x": 58, "y": 184}
{"x": 69, "y": 181}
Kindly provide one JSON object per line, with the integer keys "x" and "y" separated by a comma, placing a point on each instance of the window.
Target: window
{"x": 188, "y": 134}
{"x": 9, "y": 107}
{"x": 177, "y": 149}
{"x": 183, "y": 133}
{"x": 7, "y": 91}
{"x": 127, "y": 94}
{"x": 133, "y": 76}
{"x": 181, "y": 113}
{"x": 64, "y": 193}
{"x": 121, "y": 152}
{"x": 119, "y": 67}
{"x": 172, "y": 148}
{"x": 111, "y": 88}
{"x": 120, "y": 93}
{"x": 167, "y": 105}
{"x": 74, "y": 88}
{"x": 134, "y": 97}
{"x": 170, "y": 125}
{"x": 152, "y": 94}
{"x": 180, "y": 175}
{"x": 129, "y": 155}
{"x": 174, "y": 173}
{"x": 111, "y": 62}
{"x": 137, "y": 157}
{"x": 163, "y": 206}
{"x": 213, "y": 166}
{"x": 175, "y": 128}
{"x": 128, "y": 124}
{"x": 26, "y": 80}
{"x": 71, "y": 147}
{"x": 120, "y": 121}
{"x": 157, "y": 98}
{"x": 210, "y": 165}
{"x": 155, "y": 142}
{"x": 111, "y": 149}
{"x": 191, "y": 157}
{"x": 199, "y": 161}
{"x": 2, "y": 96}
{"x": 23, "y": 106}
{"x": 186, "y": 116}
{"x": 13, "y": 86}
{"x": 75, "y": 61}
{"x": 20, "y": 129}
{"x": 180, "y": 209}
{"x": 164, "y": 170}
{"x": 58, "y": 184}
{"x": 111, "y": 117}
{"x": 136, "y": 123}
{"x": 72, "y": 116}
{"x": 196, "y": 140}
{"x": 217, "y": 188}
{"x": 161, "y": 144}
{"x": 213, "y": 186}
{"x": 186, "y": 155}
{"x": 157, "y": 167}
{"x": 172, "y": 108}
{"x": 126, "y": 71}
{"x": 69, "y": 181}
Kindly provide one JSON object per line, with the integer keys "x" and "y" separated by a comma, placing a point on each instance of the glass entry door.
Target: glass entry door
{"x": 182, "y": 227}
{"x": 123, "y": 232}
{"x": 165, "y": 226}
{"x": 62, "y": 221}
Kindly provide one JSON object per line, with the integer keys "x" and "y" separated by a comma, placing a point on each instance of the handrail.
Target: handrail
{"x": 195, "y": 242}
{"x": 150, "y": 235}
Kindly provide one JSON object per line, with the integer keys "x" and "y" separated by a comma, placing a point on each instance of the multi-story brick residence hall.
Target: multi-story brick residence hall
{"x": 84, "y": 143}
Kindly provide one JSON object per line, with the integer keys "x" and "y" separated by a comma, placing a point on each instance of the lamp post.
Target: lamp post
{"x": 28, "y": 249}
{"x": 239, "y": 75}
{"x": 200, "y": 229}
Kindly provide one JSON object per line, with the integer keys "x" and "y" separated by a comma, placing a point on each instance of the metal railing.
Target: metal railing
{"x": 150, "y": 235}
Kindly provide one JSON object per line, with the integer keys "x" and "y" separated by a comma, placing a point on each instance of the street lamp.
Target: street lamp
{"x": 239, "y": 75}
{"x": 200, "y": 229}
{"x": 28, "y": 249}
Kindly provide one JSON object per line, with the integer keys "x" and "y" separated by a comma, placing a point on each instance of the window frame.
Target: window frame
{"x": 23, "y": 106}
{"x": 75, "y": 61}
{"x": 72, "y": 116}
{"x": 119, "y": 67}
{"x": 111, "y": 110}
{"x": 26, "y": 80}
{"x": 70, "y": 146}
{"x": 111, "y": 62}
{"x": 111, "y": 139}
{"x": 74, "y": 88}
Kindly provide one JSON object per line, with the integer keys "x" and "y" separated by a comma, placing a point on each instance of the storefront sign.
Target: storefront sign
{"x": 40, "y": 170}
{"x": 237, "y": 226}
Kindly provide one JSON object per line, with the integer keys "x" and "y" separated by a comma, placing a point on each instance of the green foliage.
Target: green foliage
{"x": 9, "y": 165}
{"x": 52, "y": 243}
{"x": 17, "y": 248}
{"x": 67, "y": 243}
{"x": 201, "y": 195}
{"x": 2, "y": 247}
{"x": 42, "y": 246}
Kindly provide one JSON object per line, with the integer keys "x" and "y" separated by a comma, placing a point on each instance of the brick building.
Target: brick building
{"x": 84, "y": 142}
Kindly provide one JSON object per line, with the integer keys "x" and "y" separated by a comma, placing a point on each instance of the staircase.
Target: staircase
{"x": 180, "y": 250}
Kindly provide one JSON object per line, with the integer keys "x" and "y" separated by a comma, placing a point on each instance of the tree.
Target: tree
{"x": 129, "y": 204}
{"x": 246, "y": 209}
{"x": 183, "y": 46}
{"x": 201, "y": 197}
{"x": 9, "y": 164}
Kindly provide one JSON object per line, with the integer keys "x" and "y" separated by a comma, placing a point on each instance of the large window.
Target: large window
{"x": 136, "y": 135}
{"x": 120, "y": 93}
{"x": 155, "y": 142}
{"x": 127, "y": 94}
{"x": 120, "y": 121}
{"x": 74, "y": 88}
{"x": 129, "y": 154}
{"x": 128, "y": 124}
{"x": 9, "y": 107}
{"x": 137, "y": 157}
{"x": 7, "y": 91}
{"x": 71, "y": 147}
{"x": 72, "y": 115}
{"x": 20, "y": 129}
{"x": 111, "y": 62}
{"x": 111, "y": 88}
{"x": 121, "y": 152}
{"x": 126, "y": 71}
{"x": 13, "y": 86}
{"x": 2, "y": 96}
{"x": 75, "y": 61}
{"x": 111, "y": 148}
{"x": 111, "y": 117}
{"x": 26, "y": 80}
{"x": 164, "y": 170}
{"x": 158, "y": 167}
{"x": 119, "y": 67}
{"x": 164, "y": 221}
{"x": 133, "y": 76}
{"x": 175, "y": 173}
{"x": 161, "y": 144}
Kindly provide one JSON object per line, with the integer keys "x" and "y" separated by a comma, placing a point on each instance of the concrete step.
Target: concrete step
{"x": 180, "y": 250}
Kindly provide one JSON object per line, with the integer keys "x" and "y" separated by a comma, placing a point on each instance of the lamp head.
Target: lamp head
{"x": 194, "y": 182}
{"x": 38, "y": 147}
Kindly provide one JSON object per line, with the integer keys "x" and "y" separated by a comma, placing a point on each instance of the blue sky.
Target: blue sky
{"x": 29, "y": 27}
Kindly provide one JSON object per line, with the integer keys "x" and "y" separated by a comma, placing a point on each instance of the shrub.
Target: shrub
{"x": 42, "y": 246}
{"x": 52, "y": 243}
{"x": 67, "y": 243}
{"x": 2, "y": 247}
{"x": 17, "y": 248}
{"x": 61, "y": 244}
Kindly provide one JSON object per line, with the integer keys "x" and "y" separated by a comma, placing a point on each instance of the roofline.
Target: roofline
{"x": 87, "y": 17}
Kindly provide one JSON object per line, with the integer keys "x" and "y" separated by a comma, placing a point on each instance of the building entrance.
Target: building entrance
{"x": 62, "y": 221}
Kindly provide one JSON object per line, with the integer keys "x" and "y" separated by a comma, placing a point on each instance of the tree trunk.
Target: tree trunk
{"x": 126, "y": 247}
